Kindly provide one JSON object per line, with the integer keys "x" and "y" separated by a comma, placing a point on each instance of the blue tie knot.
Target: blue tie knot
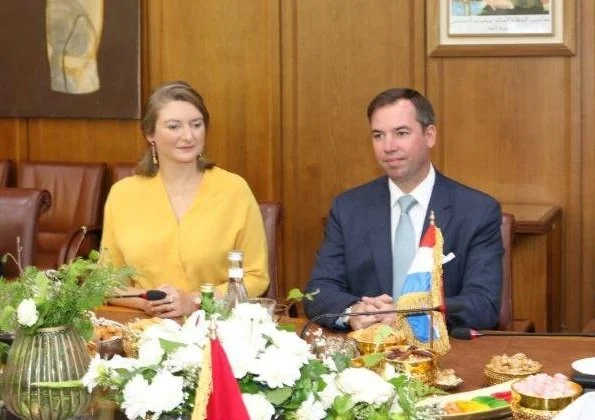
{"x": 406, "y": 202}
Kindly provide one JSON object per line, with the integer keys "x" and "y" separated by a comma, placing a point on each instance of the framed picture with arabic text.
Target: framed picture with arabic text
{"x": 489, "y": 28}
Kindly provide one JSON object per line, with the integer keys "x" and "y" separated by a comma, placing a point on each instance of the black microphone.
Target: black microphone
{"x": 462, "y": 333}
{"x": 386, "y": 311}
{"x": 148, "y": 295}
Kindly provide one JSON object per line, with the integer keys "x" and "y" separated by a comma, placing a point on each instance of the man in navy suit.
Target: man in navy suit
{"x": 354, "y": 266}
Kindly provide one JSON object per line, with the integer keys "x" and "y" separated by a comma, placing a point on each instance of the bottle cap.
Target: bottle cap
{"x": 235, "y": 255}
{"x": 207, "y": 288}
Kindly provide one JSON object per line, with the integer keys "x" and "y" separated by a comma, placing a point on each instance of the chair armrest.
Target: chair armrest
{"x": 79, "y": 241}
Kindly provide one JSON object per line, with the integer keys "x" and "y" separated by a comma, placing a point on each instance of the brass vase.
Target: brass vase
{"x": 33, "y": 384}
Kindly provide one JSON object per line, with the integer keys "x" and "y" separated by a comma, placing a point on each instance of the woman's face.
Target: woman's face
{"x": 179, "y": 133}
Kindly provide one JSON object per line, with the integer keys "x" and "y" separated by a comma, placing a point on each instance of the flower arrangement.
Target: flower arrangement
{"x": 277, "y": 373}
{"x": 41, "y": 299}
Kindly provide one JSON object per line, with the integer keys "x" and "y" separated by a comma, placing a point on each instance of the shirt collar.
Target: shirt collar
{"x": 422, "y": 193}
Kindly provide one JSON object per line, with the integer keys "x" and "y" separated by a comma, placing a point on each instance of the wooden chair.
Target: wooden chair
{"x": 5, "y": 172}
{"x": 76, "y": 190}
{"x": 271, "y": 217}
{"x": 20, "y": 209}
{"x": 507, "y": 321}
{"x": 121, "y": 170}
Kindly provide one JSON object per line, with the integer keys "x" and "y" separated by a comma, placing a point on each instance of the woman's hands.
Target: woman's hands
{"x": 177, "y": 303}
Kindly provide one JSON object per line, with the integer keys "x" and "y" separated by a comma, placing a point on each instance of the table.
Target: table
{"x": 467, "y": 357}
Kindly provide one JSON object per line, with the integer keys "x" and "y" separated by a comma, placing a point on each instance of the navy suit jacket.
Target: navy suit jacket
{"x": 355, "y": 259}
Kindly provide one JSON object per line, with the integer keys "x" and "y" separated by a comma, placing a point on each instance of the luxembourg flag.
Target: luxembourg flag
{"x": 423, "y": 288}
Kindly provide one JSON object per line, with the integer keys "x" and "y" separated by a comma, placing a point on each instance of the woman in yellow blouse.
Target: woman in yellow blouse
{"x": 177, "y": 218}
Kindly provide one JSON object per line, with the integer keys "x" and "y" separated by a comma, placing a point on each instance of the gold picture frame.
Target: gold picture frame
{"x": 560, "y": 42}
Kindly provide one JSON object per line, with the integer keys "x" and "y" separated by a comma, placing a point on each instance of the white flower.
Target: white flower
{"x": 186, "y": 357}
{"x": 290, "y": 342}
{"x": 136, "y": 397}
{"x": 276, "y": 368}
{"x": 119, "y": 362}
{"x": 330, "y": 392}
{"x": 150, "y": 353}
{"x": 27, "y": 313}
{"x": 330, "y": 364}
{"x": 165, "y": 392}
{"x": 363, "y": 385}
{"x": 97, "y": 368}
{"x": 242, "y": 342}
{"x": 258, "y": 407}
{"x": 310, "y": 409}
{"x": 251, "y": 312}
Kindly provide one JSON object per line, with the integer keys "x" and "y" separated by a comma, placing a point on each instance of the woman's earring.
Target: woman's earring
{"x": 154, "y": 154}
{"x": 199, "y": 157}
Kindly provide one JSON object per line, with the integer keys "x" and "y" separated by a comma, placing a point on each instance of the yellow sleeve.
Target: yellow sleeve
{"x": 251, "y": 239}
{"x": 110, "y": 253}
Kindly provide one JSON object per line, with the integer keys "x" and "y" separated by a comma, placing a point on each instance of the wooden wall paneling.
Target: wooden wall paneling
{"x": 335, "y": 59}
{"x": 229, "y": 51}
{"x": 83, "y": 140}
{"x": 587, "y": 51}
{"x": 13, "y": 139}
{"x": 506, "y": 128}
{"x": 572, "y": 230}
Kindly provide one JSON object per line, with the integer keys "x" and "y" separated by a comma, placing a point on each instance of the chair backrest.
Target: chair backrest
{"x": 76, "y": 190}
{"x": 5, "y": 171}
{"x": 271, "y": 217}
{"x": 122, "y": 170}
{"x": 20, "y": 209}
{"x": 506, "y": 313}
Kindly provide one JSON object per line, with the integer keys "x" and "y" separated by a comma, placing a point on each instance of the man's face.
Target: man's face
{"x": 401, "y": 146}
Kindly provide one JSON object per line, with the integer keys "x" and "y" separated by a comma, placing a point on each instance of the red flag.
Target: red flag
{"x": 225, "y": 402}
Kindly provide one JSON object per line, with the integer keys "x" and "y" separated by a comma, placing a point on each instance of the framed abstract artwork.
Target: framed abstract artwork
{"x": 501, "y": 27}
{"x": 70, "y": 58}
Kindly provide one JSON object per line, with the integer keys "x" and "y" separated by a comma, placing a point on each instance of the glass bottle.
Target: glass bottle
{"x": 236, "y": 290}
{"x": 207, "y": 299}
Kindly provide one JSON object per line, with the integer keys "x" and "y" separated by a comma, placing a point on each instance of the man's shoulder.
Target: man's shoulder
{"x": 364, "y": 191}
{"x": 461, "y": 192}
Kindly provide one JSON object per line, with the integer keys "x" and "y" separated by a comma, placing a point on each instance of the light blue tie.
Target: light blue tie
{"x": 404, "y": 246}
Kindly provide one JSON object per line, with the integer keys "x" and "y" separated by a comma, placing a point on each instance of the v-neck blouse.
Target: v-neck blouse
{"x": 140, "y": 230}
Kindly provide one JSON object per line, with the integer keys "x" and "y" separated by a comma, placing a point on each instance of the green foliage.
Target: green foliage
{"x": 296, "y": 295}
{"x": 61, "y": 297}
{"x": 411, "y": 391}
{"x": 3, "y": 353}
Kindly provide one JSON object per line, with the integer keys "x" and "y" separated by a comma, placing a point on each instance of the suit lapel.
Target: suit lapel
{"x": 440, "y": 203}
{"x": 380, "y": 234}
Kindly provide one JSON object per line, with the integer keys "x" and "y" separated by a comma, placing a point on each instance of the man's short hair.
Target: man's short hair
{"x": 424, "y": 110}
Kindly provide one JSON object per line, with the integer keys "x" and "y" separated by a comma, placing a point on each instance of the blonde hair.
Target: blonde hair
{"x": 162, "y": 95}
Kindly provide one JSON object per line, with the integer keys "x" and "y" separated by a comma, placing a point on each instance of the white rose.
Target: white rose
{"x": 150, "y": 353}
{"x": 165, "y": 392}
{"x": 310, "y": 409}
{"x": 330, "y": 391}
{"x": 258, "y": 407}
{"x": 364, "y": 386}
{"x": 97, "y": 368}
{"x": 276, "y": 368}
{"x": 187, "y": 357}
{"x": 27, "y": 313}
{"x": 136, "y": 398}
